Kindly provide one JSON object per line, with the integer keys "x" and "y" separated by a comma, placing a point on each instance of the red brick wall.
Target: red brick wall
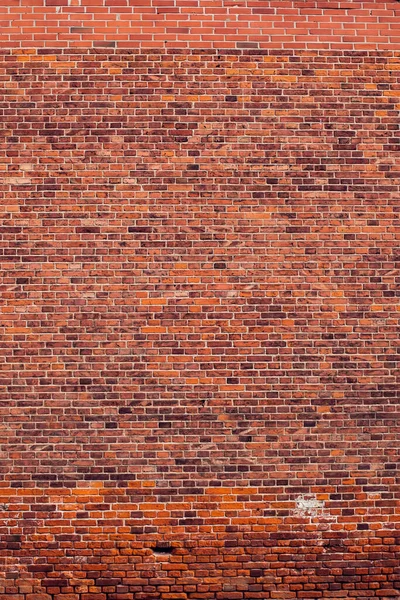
{"x": 199, "y": 392}
{"x": 317, "y": 24}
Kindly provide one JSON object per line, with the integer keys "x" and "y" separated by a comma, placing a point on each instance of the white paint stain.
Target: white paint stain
{"x": 308, "y": 505}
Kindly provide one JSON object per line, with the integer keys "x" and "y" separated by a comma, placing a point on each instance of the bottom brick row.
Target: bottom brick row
{"x": 245, "y": 565}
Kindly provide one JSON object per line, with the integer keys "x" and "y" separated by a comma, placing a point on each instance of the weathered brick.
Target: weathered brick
{"x": 199, "y": 278}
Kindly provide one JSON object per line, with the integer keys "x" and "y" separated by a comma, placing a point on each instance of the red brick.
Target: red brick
{"x": 199, "y": 280}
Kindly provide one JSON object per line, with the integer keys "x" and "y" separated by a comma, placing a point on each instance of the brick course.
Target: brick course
{"x": 199, "y": 327}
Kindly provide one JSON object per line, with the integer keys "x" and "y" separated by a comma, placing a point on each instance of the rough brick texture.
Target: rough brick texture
{"x": 200, "y": 321}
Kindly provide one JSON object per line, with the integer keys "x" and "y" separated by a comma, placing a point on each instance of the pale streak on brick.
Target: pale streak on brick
{"x": 17, "y": 180}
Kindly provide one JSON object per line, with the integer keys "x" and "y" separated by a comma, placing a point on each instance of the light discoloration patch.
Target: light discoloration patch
{"x": 308, "y": 505}
{"x": 17, "y": 180}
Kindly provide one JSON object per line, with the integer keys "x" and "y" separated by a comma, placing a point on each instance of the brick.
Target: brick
{"x": 199, "y": 274}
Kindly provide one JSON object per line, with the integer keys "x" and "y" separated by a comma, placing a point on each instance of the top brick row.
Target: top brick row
{"x": 300, "y": 24}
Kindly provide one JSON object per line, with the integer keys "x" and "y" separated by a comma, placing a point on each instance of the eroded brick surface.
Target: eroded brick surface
{"x": 199, "y": 324}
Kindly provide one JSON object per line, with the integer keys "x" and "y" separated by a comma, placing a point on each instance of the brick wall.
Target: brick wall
{"x": 199, "y": 393}
{"x": 304, "y": 24}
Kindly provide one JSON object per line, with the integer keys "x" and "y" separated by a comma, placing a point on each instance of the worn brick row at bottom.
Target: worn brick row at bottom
{"x": 244, "y": 565}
